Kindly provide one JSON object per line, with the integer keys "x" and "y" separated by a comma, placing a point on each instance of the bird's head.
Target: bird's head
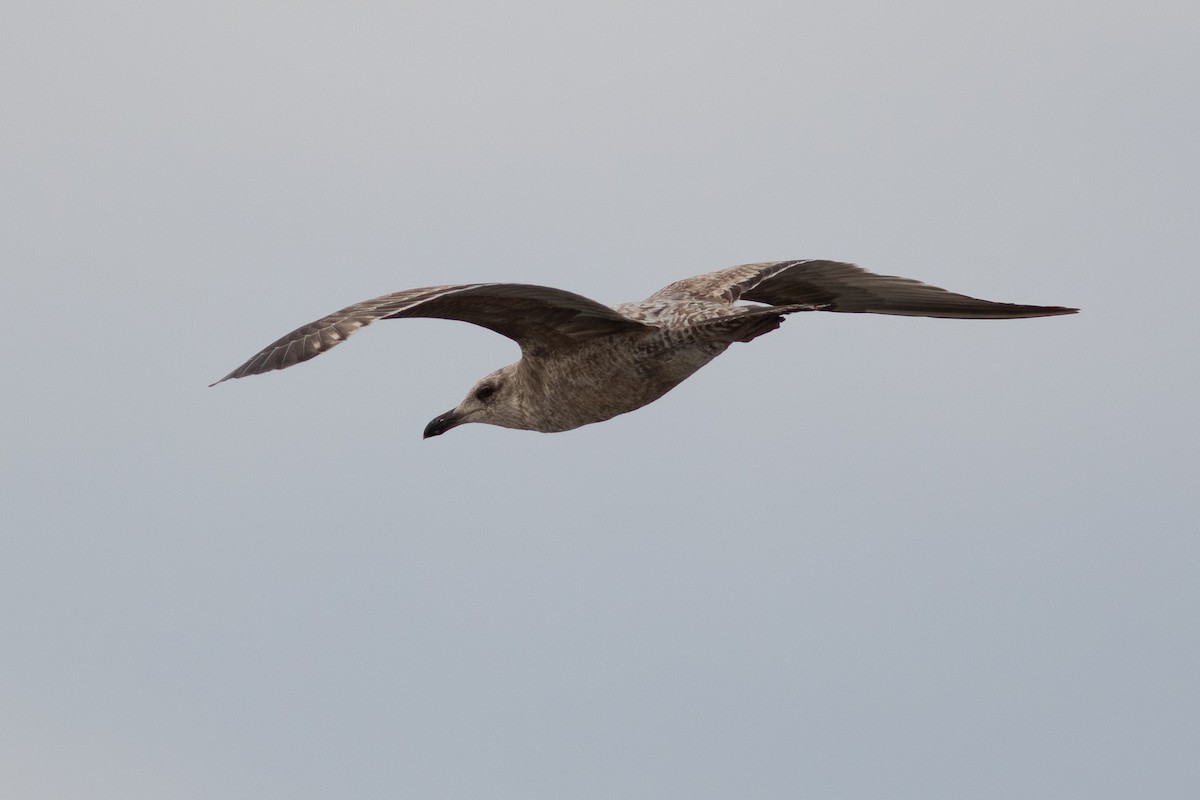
{"x": 495, "y": 399}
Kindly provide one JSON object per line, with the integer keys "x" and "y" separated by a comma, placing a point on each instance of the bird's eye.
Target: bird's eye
{"x": 484, "y": 392}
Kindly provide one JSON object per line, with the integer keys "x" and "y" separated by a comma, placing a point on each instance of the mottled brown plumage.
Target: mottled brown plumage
{"x": 584, "y": 362}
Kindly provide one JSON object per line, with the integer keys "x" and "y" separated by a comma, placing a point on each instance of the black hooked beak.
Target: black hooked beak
{"x": 441, "y": 424}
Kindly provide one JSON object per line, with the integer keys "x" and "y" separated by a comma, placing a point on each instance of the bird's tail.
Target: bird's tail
{"x": 750, "y": 323}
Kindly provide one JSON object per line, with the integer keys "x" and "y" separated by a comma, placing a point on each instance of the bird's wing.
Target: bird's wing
{"x": 837, "y": 286}
{"x": 536, "y": 317}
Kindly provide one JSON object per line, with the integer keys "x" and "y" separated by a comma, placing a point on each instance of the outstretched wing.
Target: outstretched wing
{"x": 536, "y": 317}
{"x": 844, "y": 287}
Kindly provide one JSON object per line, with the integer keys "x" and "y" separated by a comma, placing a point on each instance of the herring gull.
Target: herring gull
{"x": 583, "y": 362}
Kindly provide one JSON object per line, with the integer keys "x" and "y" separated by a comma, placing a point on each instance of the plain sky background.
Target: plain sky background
{"x": 862, "y": 557}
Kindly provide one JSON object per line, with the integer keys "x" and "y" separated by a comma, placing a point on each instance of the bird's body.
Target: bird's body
{"x": 584, "y": 362}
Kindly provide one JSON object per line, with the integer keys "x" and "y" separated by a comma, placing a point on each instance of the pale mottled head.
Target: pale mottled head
{"x": 496, "y": 399}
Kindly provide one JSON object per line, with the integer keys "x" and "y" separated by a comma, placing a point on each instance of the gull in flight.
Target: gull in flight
{"x": 584, "y": 362}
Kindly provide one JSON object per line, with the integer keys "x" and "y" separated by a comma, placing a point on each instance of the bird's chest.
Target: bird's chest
{"x": 600, "y": 382}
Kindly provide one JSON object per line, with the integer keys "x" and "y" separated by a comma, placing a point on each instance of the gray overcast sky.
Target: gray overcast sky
{"x": 862, "y": 557}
